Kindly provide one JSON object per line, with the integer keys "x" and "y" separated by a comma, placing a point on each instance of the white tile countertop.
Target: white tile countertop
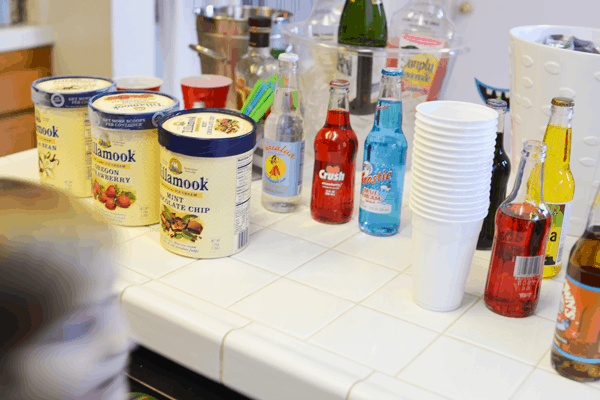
{"x": 20, "y": 37}
{"x": 314, "y": 311}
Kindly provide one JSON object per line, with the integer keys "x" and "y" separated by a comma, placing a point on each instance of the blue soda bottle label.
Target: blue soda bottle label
{"x": 376, "y": 189}
{"x": 282, "y": 167}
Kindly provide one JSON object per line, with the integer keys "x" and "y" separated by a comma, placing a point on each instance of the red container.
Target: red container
{"x": 332, "y": 199}
{"x": 205, "y": 91}
{"x": 514, "y": 277}
{"x": 149, "y": 83}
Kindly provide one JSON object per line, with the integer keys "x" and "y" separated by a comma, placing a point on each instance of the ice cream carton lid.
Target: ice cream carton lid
{"x": 131, "y": 109}
{"x": 210, "y": 132}
{"x": 69, "y": 91}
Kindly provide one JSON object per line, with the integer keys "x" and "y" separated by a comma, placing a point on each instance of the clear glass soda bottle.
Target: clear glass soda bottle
{"x": 332, "y": 196}
{"x": 522, "y": 228}
{"x": 283, "y": 154}
{"x": 576, "y": 347}
{"x": 559, "y": 185}
{"x": 384, "y": 161}
{"x": 421, "y": 24}
{"x": 500, "y": 175}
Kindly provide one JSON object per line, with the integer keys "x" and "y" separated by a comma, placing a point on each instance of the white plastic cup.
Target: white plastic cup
{"x": 457, "y": 113}
{"x": 445, "y": 206}
{"x": 465, "y": 170}
{"x": 453, "y": 165}
{"x": 443, "y": 188}
{"x": 448, "y": 174}
{"x": 434, "y": 180}
{"x": 474, "y": 148}
{"x": 423, "y": 122}
{"x": 450, "y": 198}
{"x": 468, "y": 157}
{"x": 442, "y": 253}
{"x": 454, "y": 215}
{"x": 459, "y": 179}
{"x": 150, "y": 83}
{"x": 459, "y": 141}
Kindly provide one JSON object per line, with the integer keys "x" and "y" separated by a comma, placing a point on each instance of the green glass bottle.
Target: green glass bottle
{"x": 362, "y": 23}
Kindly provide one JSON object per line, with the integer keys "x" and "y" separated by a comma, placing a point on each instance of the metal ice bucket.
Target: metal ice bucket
{"x": 223, "y": 34}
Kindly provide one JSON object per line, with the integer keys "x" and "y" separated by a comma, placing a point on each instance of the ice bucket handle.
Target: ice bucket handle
{"x": 206, "y": 51}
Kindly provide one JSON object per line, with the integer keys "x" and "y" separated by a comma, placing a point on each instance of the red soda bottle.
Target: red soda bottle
{"x": 522, "y": 227}
{"x": 332, "y": 198}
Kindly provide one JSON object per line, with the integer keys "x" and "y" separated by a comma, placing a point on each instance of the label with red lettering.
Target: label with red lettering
{"x": 577, "y": 335}
{"x": 331, "y": 179}
{"x": 375, "y": 189}
{"x": 282, "y": 172}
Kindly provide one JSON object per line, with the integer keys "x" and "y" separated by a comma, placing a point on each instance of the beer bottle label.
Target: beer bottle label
{"x": 577, "y": 335}
{"x": 282, "y": 168}
{"x": 560, "y": 213}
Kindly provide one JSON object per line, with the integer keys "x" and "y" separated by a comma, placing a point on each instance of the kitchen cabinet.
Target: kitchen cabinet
{"x": 18, "y": 69}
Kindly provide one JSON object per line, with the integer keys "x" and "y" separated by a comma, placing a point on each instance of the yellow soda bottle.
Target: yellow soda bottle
{"x": 559, "y": 186}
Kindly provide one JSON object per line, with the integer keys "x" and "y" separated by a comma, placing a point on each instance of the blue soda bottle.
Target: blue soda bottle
{"x": 384, "y": 161}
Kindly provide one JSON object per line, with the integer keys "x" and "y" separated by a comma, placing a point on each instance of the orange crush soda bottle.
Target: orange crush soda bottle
{"x": 576, "y": 347}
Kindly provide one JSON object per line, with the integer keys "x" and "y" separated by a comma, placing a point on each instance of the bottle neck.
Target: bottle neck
{"x": 528, "y": 186}
{"x": 338, "y": 112}
{"x": 500, "y": 128}
{"x": 388, "y": 114}
{"x": 261, "y": 52}
{"x": 558, "y": 137}
{"x": 259, "y": 38}
{"x": 287, "y": 94}
{"x": 594, "y": 215}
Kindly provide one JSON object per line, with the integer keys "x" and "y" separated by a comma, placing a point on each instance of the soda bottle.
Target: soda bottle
{"x": 576, "y": 347}
{"x": 256, "y": 64}
{"x": 284, "y": 142}
{"x": 500, "y": 174}
{"x": 384, "y": 161}
{"x": 332, "y": 197}
{"x": 559, "y": 185}
{"x": 522, "y": 228}
{"x": 424, "y": 25}
{"x": 363, "y": 23}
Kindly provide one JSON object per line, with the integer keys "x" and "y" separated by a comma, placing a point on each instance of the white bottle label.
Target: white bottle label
{"x": 560, "y": 213}
{"x": 282, "y": 168}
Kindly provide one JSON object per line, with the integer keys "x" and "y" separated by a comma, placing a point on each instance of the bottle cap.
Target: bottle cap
{"x": 497, "y": 103}
{"x": 288, "y": 57}
{"x": 260, "y": 22}
{"x": 339, "y": 83}
{"x": 563, "y": 102}
{"x": 390, "y": 71}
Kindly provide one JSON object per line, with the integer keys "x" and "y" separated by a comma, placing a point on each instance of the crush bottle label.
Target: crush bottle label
{"x": 282, "y": 172}
{"x": 376, "y": 188}
{"x": 330, "y": 179}
{"x": 558, "y": 232}
{"x": 577, "y": 335}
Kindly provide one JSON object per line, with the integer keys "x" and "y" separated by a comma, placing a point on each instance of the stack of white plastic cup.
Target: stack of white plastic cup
{"x": 453, "y": 152}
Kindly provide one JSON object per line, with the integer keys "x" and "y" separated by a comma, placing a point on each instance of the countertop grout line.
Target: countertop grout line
{"x": 357, "y": 382}
{"x": 424, "y": 388}
{"x": 364, "y": 259}
{"x": 511, "y": 397}
{"x": 440, "y": 334}
{"x": 222, "y": 351}
{"x": 248, "y": 295}
{"x": 303, "y": 239}
{"x": 329, "y": 323}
